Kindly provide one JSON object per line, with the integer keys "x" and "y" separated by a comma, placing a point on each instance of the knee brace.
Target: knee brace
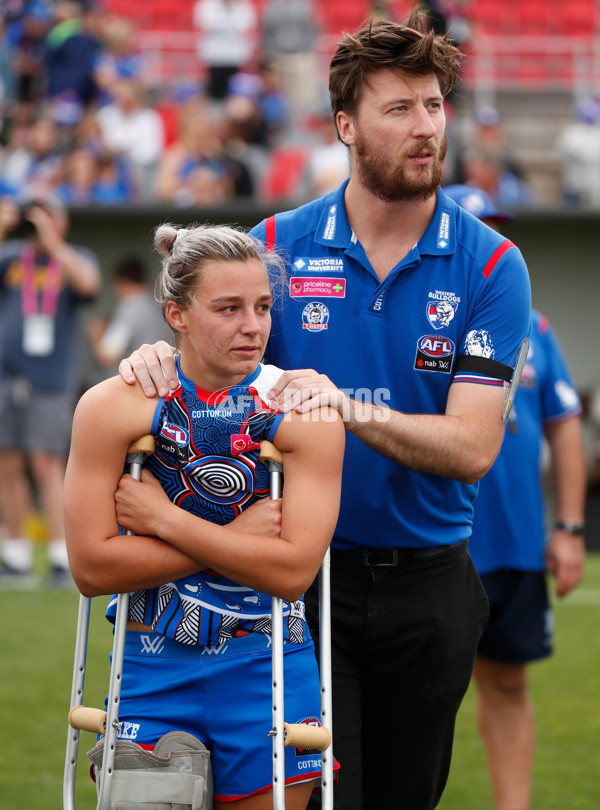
{"x": 177, "y": 775}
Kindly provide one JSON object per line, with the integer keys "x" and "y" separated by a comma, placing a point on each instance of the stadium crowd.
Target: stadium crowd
{"x": 83, "y": 116}
{"x": 80, "y": 118}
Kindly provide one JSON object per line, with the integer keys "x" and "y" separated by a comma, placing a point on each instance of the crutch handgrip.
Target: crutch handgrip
{"x": 301, "y": 735}
{"x": 268, "y": 452}
{"x": 88, "y": 719}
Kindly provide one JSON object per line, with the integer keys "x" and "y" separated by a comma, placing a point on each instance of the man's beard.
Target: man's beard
{"x": 392, "y": 184}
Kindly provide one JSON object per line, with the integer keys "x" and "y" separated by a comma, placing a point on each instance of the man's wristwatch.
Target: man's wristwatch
{"x": 570, "y": 526}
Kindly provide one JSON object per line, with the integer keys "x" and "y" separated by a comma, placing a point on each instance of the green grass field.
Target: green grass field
{"x": 37, "y": 636}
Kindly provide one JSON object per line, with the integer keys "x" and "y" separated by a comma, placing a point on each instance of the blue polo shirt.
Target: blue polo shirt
{"x": 509, "y": 527}
{"x": 456, "y": 308}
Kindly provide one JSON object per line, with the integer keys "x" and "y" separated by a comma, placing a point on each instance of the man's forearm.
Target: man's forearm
{"x": 569, "y": 468}
{"x": 438, "y": 444}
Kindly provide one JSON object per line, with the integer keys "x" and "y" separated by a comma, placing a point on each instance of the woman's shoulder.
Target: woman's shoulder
{"x": 114, "y": 393}
{"x": 115, "y": 413}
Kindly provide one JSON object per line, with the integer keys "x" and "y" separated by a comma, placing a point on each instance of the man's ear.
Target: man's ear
{"x": 345, "y": 125}
{"x": 175, "y": 317}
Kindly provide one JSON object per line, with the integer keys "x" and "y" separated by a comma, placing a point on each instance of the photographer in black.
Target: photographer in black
{"x": 43, "y": 280}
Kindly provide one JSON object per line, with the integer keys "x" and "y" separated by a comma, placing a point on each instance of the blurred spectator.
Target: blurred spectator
{"x": 28, "y": 52}
{"x": 172, "y": 102}
{"x": 136, "y": 318}
{"x": 578, "y": 146}
{"x": 7, "y": 73}
{"x": 12, "y": 13}
{"x": 36, "y": 162}
{"x": 16, "y": 125}
{"x": 289, "y": 41}
{"x": 91, "y": 180}
{"x": 114, "y": 185}
{"x": 488, "y": 171}
{"x": 329, "y": 159}
{"x": 193, "y": 170}
{"x": 489, "y": 133}
{"x": 79, "y": 175}
{"x": 120, "y": 58}
{"x": 43, "y": 280}
{"x": 133, "y": 131}
{"x": 70, "y": 53}
{"x": 88, "y": 133}
{"x": 257, "y": 106}
{"x": 227, "y": 40}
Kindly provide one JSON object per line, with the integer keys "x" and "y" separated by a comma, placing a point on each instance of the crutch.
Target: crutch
{"x": 84, "y": 717}
{"x": 298, "y": 735}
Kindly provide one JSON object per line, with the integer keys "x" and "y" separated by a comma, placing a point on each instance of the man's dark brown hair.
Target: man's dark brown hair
{"x": 413, "y": 49}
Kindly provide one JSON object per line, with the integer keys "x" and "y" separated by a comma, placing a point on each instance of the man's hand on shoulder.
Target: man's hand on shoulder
{"x": 153, "y": 365}
{"x": 305, "y": 390}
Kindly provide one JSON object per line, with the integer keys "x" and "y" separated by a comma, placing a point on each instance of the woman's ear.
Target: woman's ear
{"x": 175, "y": 317}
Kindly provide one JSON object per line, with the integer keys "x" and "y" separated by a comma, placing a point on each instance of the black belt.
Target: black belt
{"x": 381, "y": 557}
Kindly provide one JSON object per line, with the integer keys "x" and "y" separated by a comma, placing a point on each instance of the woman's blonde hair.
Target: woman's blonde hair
{"x": 185, "y": 251}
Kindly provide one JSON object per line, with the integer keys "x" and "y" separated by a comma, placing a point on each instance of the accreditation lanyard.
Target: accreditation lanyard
{"x": 39, "y": 316}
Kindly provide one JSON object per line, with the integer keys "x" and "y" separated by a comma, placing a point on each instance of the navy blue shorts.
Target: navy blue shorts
{"x": 521, "y": 624}
{"x": 221, "y": 695}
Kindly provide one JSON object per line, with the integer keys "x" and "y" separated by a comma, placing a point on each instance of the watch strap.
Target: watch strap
{"x": 571, "y": 526}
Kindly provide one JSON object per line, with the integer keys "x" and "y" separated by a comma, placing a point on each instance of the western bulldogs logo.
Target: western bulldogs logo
{"x": 440, "y": 313}
{"x": 434, "y": 353}
{"x": 315, "y": 317}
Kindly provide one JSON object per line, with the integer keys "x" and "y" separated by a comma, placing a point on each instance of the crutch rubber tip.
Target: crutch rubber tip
{"x": 87, "y": 718}
{"x": 301, "y": 735}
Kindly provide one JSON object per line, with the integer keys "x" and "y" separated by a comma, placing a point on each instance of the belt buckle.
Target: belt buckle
{"x": 392, "y": 564}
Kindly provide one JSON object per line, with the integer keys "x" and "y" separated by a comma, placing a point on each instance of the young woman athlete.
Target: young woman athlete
{"x": 208, "y": 546}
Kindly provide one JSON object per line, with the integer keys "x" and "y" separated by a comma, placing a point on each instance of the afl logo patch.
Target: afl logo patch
{"x": 315, "y": 317}
{"x": 175, "y": 433}
{"x": 434, "y": 353}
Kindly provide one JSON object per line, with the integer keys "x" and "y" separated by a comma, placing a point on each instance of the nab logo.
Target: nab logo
{"x": 436, "y": 346}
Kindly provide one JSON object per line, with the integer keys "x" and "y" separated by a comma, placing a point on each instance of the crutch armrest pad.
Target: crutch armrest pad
{"x": 88, "y": 719}
{"x": 301, "y": 735}
{"x": 268, "y": 452}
